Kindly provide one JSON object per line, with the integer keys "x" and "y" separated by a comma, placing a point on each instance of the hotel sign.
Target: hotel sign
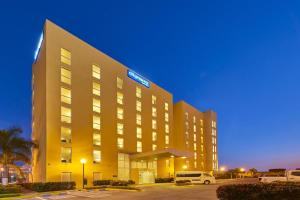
{"x": 37, "y": 50}
{"x": 138, "y": 78}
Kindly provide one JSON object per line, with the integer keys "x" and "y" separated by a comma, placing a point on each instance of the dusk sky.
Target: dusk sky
{"x": 238, "y": 58}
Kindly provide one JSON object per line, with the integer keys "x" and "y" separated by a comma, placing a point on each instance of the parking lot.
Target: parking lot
{"x": 149, "y": 192}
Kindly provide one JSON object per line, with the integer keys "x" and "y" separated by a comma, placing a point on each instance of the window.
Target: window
{"x": 65, "y": 76}
{"x": 65, "y": 177}
{"x": 138, "y": 106}
{"x": 138, "y": 92}
{"x": 153, "y": 99}
{"x": 295, "y": 173}
{"x": 120, "y": 128}
{"x": 195, "y": 138}
{"x": 195, "y": 155}
{"x": 119, "y": 83}
{"x": 139, "y": 146}
{"x": 201, "y": 130}
{"x": 65, "y": 134}
{"x": 186, "y": 115}
{"x": 96, "y": 122}
{"x": 96, "y": 139}
{"x": 194, "y": 119}
{"x": 154, "y": 136}
{"x": 139, "y": 132}
{"x": 166, "y": 106}
{"x": 195, "y": 164}
{"x": 96, "y": 72}
{"x": 65, "y": 56}
{"x": 201, "y": 122}
{"x": 96, "y": 105}
{"x": 120, "y": 113}
{"x": 167, "y": 139}
{"x": 96, "y": 89}
{"x": 167, "y": 128}
{"x": 154, "y": 124}
{"x": 66, "y": 155}
{"x": 154, "y": 147}
{"x": 97, "y": 156}
{"x": 201, "y": 139}
{"x": 65, "y": 95}
{"x": 154, "y": 113}
{"x": 138, "y": 119}
{"x": 65, "y": 115}
{"x": 166, "y": 117}
{"x": 195, "y": 146}
{"x": 167, "y": 163}
{"x": 213, "y": 124}
{"x": 119, "y": 98}
{"x": 195, "y": 129}
{"x": 120, "y": 143}
{"x": 202, "y": 148}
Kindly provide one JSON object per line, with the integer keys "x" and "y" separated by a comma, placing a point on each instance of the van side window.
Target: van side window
{"x": 295, "y": 173}
{"x": 206, "y": 174}
{"x": 188, "y": 175}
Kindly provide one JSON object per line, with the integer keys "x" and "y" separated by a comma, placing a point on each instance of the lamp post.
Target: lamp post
{"x": 83, "y": 161}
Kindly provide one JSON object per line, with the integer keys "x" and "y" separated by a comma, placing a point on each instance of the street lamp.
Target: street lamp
{"x": 222, "y": 169}
{"x": 242, "y": 169}
{"x": 83, "y": 161}
{"x": 184, "y": 167}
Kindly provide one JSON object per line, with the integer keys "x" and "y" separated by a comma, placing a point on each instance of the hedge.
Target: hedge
{"x": 10, "y": 189}
{"x": 49, "y": 186}
{"x": 183, "y": 182}
{"x": 113, "y": 183}
{"x": 164, "y": 180}
{"x": 260, "y": 191}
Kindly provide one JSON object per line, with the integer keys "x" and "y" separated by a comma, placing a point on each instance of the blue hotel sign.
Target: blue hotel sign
{"x": 138, "y": 78}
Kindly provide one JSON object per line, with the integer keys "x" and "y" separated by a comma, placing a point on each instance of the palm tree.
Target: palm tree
{"x": 13, "y": 149}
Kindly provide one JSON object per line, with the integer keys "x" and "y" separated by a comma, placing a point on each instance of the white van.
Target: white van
{"x": 195, "y": 177}
{"x": 291, "y": 175}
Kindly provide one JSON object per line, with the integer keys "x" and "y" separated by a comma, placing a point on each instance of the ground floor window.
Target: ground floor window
{"x": 123, "y": 166}
{"x": 97, "y": 176}
{"x": 66, "y": 177}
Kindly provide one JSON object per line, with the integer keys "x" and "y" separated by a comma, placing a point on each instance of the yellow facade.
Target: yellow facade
{"x": 87, "y": 105}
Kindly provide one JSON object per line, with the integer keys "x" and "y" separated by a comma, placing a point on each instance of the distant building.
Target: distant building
{"x": 88, "y": 105}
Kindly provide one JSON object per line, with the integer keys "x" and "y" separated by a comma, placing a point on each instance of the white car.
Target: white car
{"x": 195, "y": 177}
{"x": 292, "y": 175}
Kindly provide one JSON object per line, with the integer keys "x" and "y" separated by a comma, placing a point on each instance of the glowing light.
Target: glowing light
{"x": 242, "y": 169}
{"x": 184, "y": 167}
{"x": 82, "y": 160}
{"x": 222, "y": 169}
{"x": 138, "y": 78}
{"x": 183, "y": 157}
{"x": 36, "y": 53}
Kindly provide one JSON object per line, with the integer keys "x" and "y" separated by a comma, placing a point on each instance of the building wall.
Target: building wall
{"x": 48, "y": 106}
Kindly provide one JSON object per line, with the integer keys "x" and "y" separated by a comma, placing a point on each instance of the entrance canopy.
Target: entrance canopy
{"x": 162, "y": 153}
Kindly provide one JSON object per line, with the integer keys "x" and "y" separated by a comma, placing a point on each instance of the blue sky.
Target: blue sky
{"x": 239, "y": 58}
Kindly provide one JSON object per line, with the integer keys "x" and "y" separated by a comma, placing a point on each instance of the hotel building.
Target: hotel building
{"x": 87, "y": 105}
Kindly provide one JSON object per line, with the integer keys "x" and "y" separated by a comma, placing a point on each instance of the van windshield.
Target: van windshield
{"x": 188, "y": 175}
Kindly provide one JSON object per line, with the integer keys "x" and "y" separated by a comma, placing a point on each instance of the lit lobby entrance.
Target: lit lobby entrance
{"x": 146, "y": 176}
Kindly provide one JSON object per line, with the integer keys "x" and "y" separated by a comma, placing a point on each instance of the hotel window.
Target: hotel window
{"x": 201, "y": 122}
{"x": 138, "y": 106}
{"x": 139, "y": 146}
{"x": 195, "y": 146}
{"x": 154, "y": 136}
{"x": 167, "y": 130}
{"x": 66, "y": 155}
{"x": 194, "y": 119}
{"x": 195, "y": 164}
{"x": 65, "y": 76}
{"x": 202, "y": 148}
{"x": 96, "y": 139}
{"x": 65, "y": 95}
{"x": 119, "y": 98}
{"x": 96, "y": 122}
{"x": 201, "y": 139}
{"x": 195, "y": 128}
{"x": 65, "y": 56}
{"x": 195, "y": 137}
{"x": 139, "y": 132}
{"x": 195, "y": 155}
{"x": 201, "y": 130}
{"x": 166, "y": 106}
{"x": 138, "y": 119}
{"x": 97, "y": 156}
{"x": 119, "y": 83}
{"x": 187, "y": 125}
{"x": 186, "y": 115}
{"x": 167, "y": 139}
{"x": 138, "y": 92}
{"x": 96, "y": 89}
{"x": 154, "y": 147}
{"x": 166, "y": 117}
{"x": 120, "y": 143}
{"x": 153, "y": 99}
{"x": 96, "y": 105}
{"x": 154, "y": 124}
{"x": 120, "y": 113}
{"x": 96, "y": 72}
{"x": 65, "y": 115}
{"x": 167, "y": 163}
{"x": 154, "y": 112}
{"x": 120, "y": 128}
{"x": 65, "y": 135}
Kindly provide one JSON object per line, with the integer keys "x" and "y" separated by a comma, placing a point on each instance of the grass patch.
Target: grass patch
{"x": 9, "y": 195}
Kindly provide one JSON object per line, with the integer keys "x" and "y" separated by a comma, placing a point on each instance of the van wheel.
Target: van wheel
{"x": 207, "y": 182}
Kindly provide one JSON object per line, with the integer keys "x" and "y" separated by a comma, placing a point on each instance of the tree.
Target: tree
{"x": 13, "y": 149}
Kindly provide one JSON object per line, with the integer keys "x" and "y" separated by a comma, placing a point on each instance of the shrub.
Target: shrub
{"x": 131, "y": 182}
{"x": 260, "y": 191}
{"x": 49, "y": 186}
{"x": 164, "y": 180}
{"x": 10, "y": 189}
{"x": 119, "y": 183}
{"x": 183, "y": 182}
{"x": 102, "y": 182}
